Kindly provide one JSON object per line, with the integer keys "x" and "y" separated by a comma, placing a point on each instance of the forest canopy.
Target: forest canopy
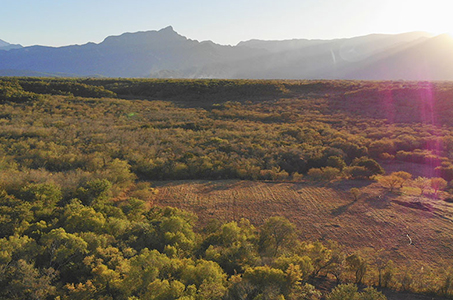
{"x": 78, "y": 157}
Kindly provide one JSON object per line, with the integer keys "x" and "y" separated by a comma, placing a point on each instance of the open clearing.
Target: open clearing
{"x": 378, "y": 220}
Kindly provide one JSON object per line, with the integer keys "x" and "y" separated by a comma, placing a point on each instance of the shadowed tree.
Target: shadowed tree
{"x": 369, "y": 164}
{"x": 350, "y": 292}
{"x": 355, "y": 192}
{"x": 358, "y": 265}
{"x": 24, "y": 281}
{"x": 277, "y": 233}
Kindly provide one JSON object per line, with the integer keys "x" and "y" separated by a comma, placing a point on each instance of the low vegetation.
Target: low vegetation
{"x": 78, "y": 217}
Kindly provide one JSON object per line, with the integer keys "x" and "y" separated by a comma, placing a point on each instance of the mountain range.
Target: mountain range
{"x": 7, "y": 46}
{"x": 167, "y": 54}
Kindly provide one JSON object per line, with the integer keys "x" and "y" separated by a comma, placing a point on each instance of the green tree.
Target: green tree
{"x": 232, "y": 246}
{"x": 14, "y": 247}
{"x": 44, "y": 197}
{"x": 388, "y": 273}
{"x": 438, "y": 184}
{"x": 304, "y": 292}
{"x": 405, "y": 176}
{"x": 145, "y": 268}
{"x": 315, "y": 174}
{"x": 64, "y": 252}
{"x": 24, "y": 281}
{"x": 176, "y": 231}
{"x": 357, "y": 172}
{"x": 370, "y": 293}
{"x": 350, "y": 292}
{"x": 344, "y": 292}
{"x": 330, "y": 173}
{"x": 303, "y": 263}
{"x": 277, "y": 234}
{"x": 79, "y": 218}
{"x": 208, "y": 277}
{"x": 164, "y": 289}
{"x": 358, "y": 265}
{"x": 118, "y": 173}
{"x": 325, "y": 258}
{"x": 265, "y": 280}
{"x": 15, "y": 215}
{"x": 134, "y": 208}
{"x": 336, "y": 162}
{"x": 447, "y": 282}
{"x": 369, "y": 164}
{"x": 379, "y": 147}
{"x": 97, "y": 190}
{"x": 389, "y": 181}
{"x": 422, "y": 183}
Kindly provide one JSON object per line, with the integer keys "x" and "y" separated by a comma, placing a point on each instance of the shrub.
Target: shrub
{"x": 357, "y": 172}
{"x": 336, "y": 162}
{"x": 369, "y": 164}
{"x": 370, "y": 293}
{"x": 326, "y": 173}
{"x": 330, "y": 173}
{"x": 344, "y": 292}
{"x": 350, "y": 292}
{"x": 315, "y": 174}
{"x": 355, "y": 192}
{"x": 297, "y": 177}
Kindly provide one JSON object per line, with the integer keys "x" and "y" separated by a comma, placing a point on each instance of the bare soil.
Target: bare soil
{"x": 411, "y": 229}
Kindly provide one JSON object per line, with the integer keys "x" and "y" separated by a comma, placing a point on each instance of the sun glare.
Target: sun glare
{"x": 420, "y": 15}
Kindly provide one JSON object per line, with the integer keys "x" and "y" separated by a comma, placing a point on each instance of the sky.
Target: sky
{"x": 69, "y": 22}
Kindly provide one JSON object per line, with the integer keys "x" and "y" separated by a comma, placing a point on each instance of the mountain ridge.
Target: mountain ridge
{"x": 7, "y": 46}
{"x": 165, "y": 53}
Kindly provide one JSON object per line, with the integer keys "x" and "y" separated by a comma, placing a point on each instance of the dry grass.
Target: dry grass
{"x": 377, "y": 220}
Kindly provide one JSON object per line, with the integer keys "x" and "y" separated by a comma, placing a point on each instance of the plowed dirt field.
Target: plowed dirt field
{"x": 378, "y": 220}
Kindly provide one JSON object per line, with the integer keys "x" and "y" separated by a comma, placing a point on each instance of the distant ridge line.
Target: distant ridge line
{"x": 165, "y": 53}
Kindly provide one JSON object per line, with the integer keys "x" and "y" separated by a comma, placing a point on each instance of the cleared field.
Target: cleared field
{"x": 377, "y": 220}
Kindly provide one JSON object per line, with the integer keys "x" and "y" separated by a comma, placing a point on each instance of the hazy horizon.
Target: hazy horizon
{"x": 57, "y": 23}
{"x": 190, "y": 38}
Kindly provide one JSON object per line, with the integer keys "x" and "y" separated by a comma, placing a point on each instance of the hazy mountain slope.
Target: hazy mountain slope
{"x": 281, "y": 46}
{"x": 28, "y": 73}
{"x": 7, "y": 46}
{"x": 165, "y": 54}
{"x": 128, "y": 55}
{"x": 313, "y": 59}
{"x": 430, "y": 60}
{"x": 361, "y": 46}
{"x": 3, "y": 44}
{"x": 115, "y": 56}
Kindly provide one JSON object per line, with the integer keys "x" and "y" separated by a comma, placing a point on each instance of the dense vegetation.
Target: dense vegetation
{"x": 77, "y": 157}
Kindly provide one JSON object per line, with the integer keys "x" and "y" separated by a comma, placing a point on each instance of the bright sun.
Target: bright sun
{"x": 432, "y": 16}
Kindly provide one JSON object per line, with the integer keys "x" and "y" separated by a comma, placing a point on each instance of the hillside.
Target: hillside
{"x": 433, "y": 57}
